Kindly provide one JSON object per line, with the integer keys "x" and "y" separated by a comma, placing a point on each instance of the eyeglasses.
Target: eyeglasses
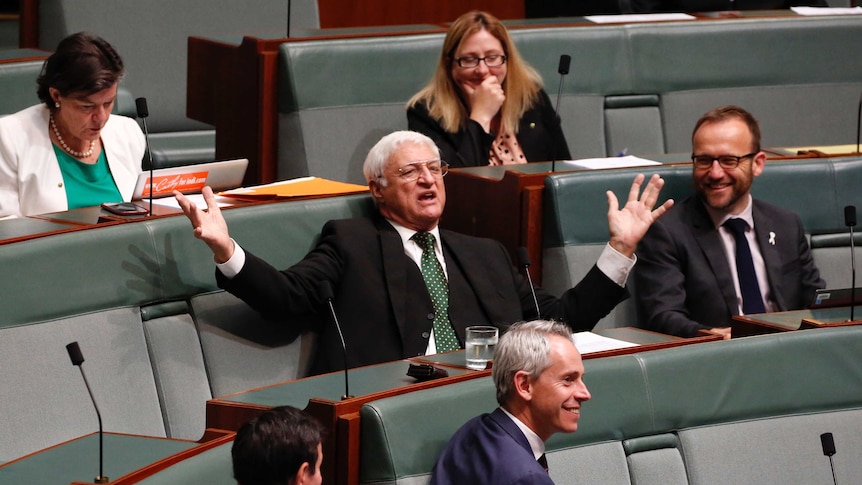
{"x": 725, "y": 161}
{"x": 411, "y": 171}
{"x": 494, "y": 60}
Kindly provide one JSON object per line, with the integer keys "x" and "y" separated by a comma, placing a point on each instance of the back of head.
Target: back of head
{"x": 524, "y": 347}
{"x": 375, "y": 162}
{"x": 271, "y": 448}
{"x": 731, "y": 112}
{"x": 82, "y": 64}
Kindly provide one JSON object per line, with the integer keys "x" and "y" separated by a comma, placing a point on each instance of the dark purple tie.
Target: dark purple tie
{"x": 543, "y": 461}
{"x": 752, "y": 300}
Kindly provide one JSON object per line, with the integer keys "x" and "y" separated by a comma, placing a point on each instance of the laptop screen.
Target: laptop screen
{"x": 190, "y": 179}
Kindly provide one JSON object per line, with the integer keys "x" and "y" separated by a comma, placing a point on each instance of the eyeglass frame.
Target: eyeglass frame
{"x": 408, "y": 177}
{"x": 731, "y": 161}
{"x": 459, "y": 60}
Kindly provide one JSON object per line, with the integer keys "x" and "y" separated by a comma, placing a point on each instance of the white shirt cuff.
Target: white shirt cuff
{"x": 233, "y": 266}
{"x": 615, "y": 265}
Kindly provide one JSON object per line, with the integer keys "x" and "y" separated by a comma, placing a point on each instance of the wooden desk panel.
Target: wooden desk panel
{"x": 127, "y": 458}
{"x": 763, "y": 323}
{"x": 320, "y": 396}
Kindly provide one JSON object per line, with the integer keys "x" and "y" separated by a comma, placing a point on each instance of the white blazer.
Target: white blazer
{"x": 30, "y": 178}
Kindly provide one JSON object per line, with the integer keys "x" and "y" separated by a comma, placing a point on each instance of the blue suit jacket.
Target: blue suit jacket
{"x": 489, "y": 449}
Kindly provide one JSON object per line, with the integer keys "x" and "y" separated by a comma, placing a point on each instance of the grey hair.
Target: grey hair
{"x": 375, "y": 162}
{"x": 524, "y": 347}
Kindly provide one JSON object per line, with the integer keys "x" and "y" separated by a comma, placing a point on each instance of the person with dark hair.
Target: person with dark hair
{"x": 721, "y": 252}
{"x": 485, "y": 104}
{"x": 281, "y": 446}
{"x": 70, "y": 151}
{"x": 538, "y": 374}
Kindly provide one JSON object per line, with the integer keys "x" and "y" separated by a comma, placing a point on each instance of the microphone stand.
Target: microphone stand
{"x": 852, "y": 274}
{"x": 77, "y": 359}
{"x": 563, "y": 69}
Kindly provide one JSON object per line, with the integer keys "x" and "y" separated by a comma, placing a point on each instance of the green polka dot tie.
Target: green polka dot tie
{"x": 438, "y": 288}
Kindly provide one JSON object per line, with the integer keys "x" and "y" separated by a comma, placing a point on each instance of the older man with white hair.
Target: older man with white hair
{"x": 403, "y": 286}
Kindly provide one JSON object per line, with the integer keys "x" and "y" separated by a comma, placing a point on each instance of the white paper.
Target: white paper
{"x": 648, "y": 17}
{"x": 612, "y": 162}
{"x": 813, "y": 11}
{"x": 197, "y": 199}
{"x": 587, "y": 342}
{"x": 246, "y": 190}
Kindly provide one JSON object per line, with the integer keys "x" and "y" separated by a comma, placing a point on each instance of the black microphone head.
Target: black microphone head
{"x": 828, "y": 444}
{"x": 565, "y": 60}
{"x": 75, "y": 353}
{"x": 324, "y": 290}
{"x": 850, "y": 215}
{"x": 524, "y": 256}
{"x": 141, "y": 105}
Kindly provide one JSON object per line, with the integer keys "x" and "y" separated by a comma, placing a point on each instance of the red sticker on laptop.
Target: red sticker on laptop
{"x": 166, "y": 184}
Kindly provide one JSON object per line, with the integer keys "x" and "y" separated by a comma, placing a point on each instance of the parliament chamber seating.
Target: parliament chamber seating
{"x": 158, "y": 336}
{"x": 638, "y": 87}
{"x": 151, "y": 38}
{"x": 745, "y": 411}
{"x": 575, "y": 216}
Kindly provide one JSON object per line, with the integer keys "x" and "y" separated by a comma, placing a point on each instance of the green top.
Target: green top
{"x": 87, "y": 185}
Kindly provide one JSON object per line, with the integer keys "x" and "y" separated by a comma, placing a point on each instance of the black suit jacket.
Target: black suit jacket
{"x": 381, "y": 300}
{"x": 489, "y": 449}
{"x": 539, "y": 134}
{"x": 683, "y": 281}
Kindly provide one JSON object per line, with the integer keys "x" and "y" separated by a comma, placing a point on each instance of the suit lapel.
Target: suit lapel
{"x": 512, "y": 429}
{"x": 709, "y": 240}
{"x": 395, "y": 271}
{"x": 766, "y": 234}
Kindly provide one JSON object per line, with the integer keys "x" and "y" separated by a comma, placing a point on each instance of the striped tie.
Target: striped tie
{"x": 438, "y": 288}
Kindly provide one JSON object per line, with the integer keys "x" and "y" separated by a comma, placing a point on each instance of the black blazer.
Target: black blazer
{"x": 683, "y": 281}
{"x": 381, "y": 300}
{"x": 539, "y": 134}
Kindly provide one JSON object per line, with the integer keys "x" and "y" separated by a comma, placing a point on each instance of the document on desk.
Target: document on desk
{"x": 587, "y": 342}
{"x": 813, "y": 11}
{"x": 629, "y": 18}
{"x": 299, "y": 187}
{"x": 197, "y": 199}
{"x": 612, "y": 162}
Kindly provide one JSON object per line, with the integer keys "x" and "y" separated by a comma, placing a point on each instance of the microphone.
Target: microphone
{"x": 828, "y": 445}
{"x": 77, "y": 359}
{"x": 858, "y": 123}
{"x": 850, "y": 221}
{"x": 143, "y": 112}
{"x": 563, "y": 69}
{"x": 525, "y": 262}
{"x": 324, "y": 289}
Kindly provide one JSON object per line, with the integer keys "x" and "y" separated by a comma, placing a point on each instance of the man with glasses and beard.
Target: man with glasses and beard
{"x": 720, "y": 252}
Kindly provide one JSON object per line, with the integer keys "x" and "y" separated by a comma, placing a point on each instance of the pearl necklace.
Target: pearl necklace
{"x": 66, "y": 147}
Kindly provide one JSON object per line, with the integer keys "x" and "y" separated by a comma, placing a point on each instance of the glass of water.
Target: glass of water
{"x": 480, "y": 344}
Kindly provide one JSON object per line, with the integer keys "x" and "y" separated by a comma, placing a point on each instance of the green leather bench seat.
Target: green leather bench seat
{"x": 741, "y": 411}
{"x": 636, "y": 87}
{"x": 158, "y": 336}
{"x": 575, "y": 215}
{"x": 337, "y": 98}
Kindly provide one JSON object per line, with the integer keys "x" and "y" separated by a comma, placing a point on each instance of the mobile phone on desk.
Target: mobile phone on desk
{"x": 124, "y": 208}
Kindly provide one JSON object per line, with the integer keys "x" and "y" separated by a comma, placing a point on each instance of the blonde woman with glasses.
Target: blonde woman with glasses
{"x": 485, "y": 105}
